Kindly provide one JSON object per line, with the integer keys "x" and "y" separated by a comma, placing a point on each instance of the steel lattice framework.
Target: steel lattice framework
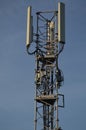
{"x": 48, "y": 76}
{"x": 49, "y": 40}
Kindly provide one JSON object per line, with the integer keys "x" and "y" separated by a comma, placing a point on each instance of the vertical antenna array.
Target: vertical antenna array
{"x": 49, "y": 39}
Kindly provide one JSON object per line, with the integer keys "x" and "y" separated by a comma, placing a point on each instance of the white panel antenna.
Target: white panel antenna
{"x": 61, "y": 22}
{"x": 29, "y": 34}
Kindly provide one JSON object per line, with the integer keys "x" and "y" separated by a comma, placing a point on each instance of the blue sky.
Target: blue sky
{"x": 17, "y": 68}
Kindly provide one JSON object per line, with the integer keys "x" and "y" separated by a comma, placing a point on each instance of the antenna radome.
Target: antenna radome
{"x": 61, "y": 22}
{"x": 29, "y": 34}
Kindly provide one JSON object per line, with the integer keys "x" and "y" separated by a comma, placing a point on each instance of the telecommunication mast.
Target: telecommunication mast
{"x": 49, "y": 41}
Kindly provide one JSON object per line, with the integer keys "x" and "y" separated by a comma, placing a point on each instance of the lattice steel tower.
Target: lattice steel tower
{"x": 49, "y": 42}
